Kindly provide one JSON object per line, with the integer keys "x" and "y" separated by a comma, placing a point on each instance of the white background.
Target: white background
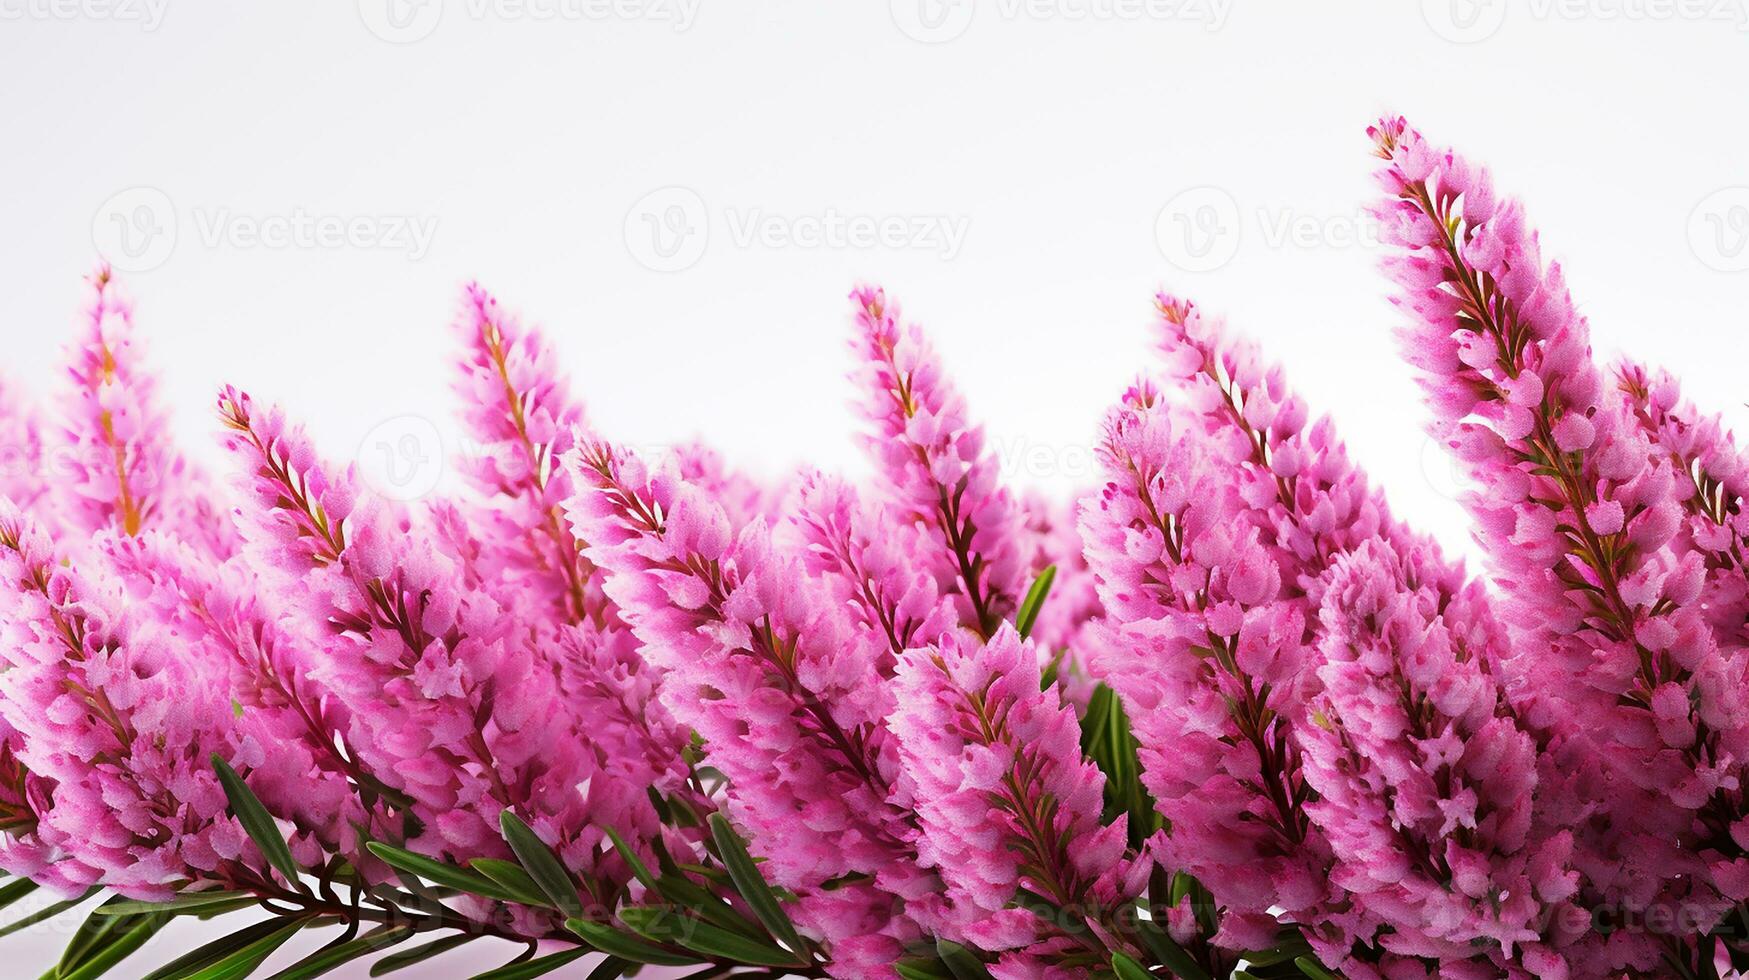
{"x": 528, "y": 137}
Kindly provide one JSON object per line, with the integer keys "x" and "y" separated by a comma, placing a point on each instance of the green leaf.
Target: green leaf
{"x": 611, "y": 968}
{"x": 15, "y": 890}
{"x": 630, "y": 857}
{"x": 103, "y": 928}
{"x": 46, "y": 913}
{"x": 100, "y": 958}
{"x": 613, "y": 942}
{"x": 339, "y": 954}
{"x": 1312, "y": 968}
{"x": 512, "y": 879}
{"x": 420, "y": 954}
{"x": 922, "y": 969}
{"x": 960, "y": 961}
{"x": 181, "y": 904}
{"x": 440, "y": 873}
{"x": 1169, "y": 954}
{"x": 541, "y": 864}
{"x": 706, "y": 905}
{"x": 750, "y": 882}
{"x": 1107, "y": 740}
{"x": 232, "y": 957}
{"x": 256, "y": 821}
{"x": 1128, "y": 969}
{"x": 1027, "y": 616}
{"x": 702, "y": 937}
{"x": 535, "y": 967}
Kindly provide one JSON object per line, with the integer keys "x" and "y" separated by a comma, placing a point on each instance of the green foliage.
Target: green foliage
{"x": 1106, "y": 739}
{"x": 1027, "y": 616}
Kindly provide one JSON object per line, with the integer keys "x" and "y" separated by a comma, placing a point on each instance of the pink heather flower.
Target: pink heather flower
{"x": 21, "y": 451}
{"x": 291, "y": 730}
{"x": 449, "y": 704}
{"x": 24, "y": 798}
{"x": 1580, "y": 515}
{"x": 1212, "y": 667}
{"x": 519, "y": 411}
{"x": 934, "y": 465}
{"x": 1426, "y": 781}
{"x": 870, "y": 563}
{"x": 772, "y": 676}
{"x": 104, "y": 704}
{"x": 1712, "y": 480}
{"x": 122, "y": 472}
{"x": 1004, "y": 798}
{"x": 1294, "y": 480}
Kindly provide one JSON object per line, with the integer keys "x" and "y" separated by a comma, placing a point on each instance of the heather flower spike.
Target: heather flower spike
{"x": 1581, "y": 515}
{"x": 1211, "y": 663}
{"x": 1005, "y": 799}
{"x": 519, "y": 410}
{"x": 934, "y": 464}
{"x": 1223, "y": 715}
{"x": 1426, "y": 780}
{"x": 124, "y": 473}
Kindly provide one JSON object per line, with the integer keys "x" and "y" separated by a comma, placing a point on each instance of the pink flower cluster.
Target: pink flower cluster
{"x": 1223, "y": 713}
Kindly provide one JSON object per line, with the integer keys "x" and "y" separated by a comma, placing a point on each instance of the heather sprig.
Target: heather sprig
{"x": 1223, "y": 715}
{"x": 934, "y": 465}
{"x": 1581, "y": 516}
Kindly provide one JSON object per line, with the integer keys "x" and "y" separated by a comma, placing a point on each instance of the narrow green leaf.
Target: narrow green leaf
{"x": 541, "y": 864}
{"x": 750, "y": 882}
{"x": 613, "y": 942}
{"x": 99, "y": 930}
{"x": 611, "y": 968}
{"x": 1027, "y": 616}
{"x": 47, "y": 912}
{"x": 538, "y": 967}
{"x": 184, "y": 903}
{"x": 921, "y": 969}
{"x": 234, "y": 956}
{"x": 695, "y": 899}
{"x": 630, "y": 857}
{"x": 1128, "y": 969}
{"x": 339, "y": 954}
{"x": 702, "y": 937}
{"x": 1312, "y": 968}
{"x": 15, "y": 890}
{"x": 256, "y": 821}
{"x": 100, "y": 959}
{"x": 512, "y": 879}
{"x": 960, "y": 961}
{"x": 439, "y": 872}
{"x": 1171, "y": 955}
{"x": 419, "y": 954}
